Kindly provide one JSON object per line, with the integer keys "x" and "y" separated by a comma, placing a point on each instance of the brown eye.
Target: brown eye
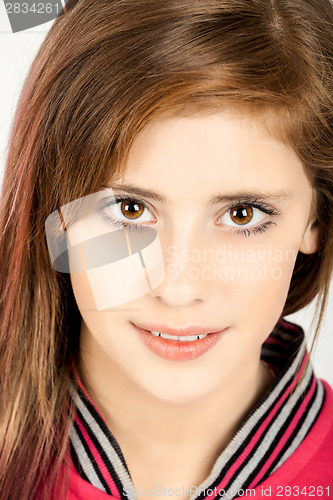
{"x": 132, "y": 209}
{"x": 241, "y": 214}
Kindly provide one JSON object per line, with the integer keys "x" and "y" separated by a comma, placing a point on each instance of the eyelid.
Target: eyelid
{"x": 253, "y": 202}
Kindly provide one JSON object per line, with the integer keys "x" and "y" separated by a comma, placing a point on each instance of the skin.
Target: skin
{"x": 156, "y": 406}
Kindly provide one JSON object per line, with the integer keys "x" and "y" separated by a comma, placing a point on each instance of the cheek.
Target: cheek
{"x": 103, "y": 326}
{"x": 260, "y": 286}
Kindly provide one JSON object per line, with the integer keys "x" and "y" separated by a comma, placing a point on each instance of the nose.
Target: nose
{"x": 185, "y": 283}
{"x": 176, "y": 295}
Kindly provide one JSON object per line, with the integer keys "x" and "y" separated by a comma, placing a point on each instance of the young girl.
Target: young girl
{"x": 167, "y": 200}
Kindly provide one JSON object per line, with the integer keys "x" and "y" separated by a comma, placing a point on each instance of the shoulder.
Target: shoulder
{"x": 80, "y": 489}
{"x": 311, "y": 465}
{"x": 314, "y": 459}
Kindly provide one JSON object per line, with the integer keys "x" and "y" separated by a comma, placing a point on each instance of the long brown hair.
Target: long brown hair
{"x": 105, "y": 70}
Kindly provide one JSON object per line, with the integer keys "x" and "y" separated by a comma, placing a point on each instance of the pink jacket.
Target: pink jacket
{"x": 307, "y": 473}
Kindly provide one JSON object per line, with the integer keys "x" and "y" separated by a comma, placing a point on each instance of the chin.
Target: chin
{"x": 177, "y": 398}
{"x": 174, "y": 392}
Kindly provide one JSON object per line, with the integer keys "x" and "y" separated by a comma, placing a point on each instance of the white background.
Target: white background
{"x": 16, "y": 54}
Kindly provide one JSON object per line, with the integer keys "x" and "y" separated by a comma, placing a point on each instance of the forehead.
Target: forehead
{"x": 207, "y": 127}
{"x": 207, "y": 148}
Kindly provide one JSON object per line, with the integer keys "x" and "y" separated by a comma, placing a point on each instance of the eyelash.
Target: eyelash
{"x": 244, "y": 232}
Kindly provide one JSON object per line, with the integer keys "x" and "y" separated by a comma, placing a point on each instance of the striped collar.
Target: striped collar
{"x": 272, "y": 431}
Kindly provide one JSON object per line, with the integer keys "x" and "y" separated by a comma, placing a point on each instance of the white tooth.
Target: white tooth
{"x": 192, "y": 337}
{"x": 183, "y": 338}
{"x": 169, "y": 337}
{"x": 157, "y": 334}
{"x": 189, "y": 337}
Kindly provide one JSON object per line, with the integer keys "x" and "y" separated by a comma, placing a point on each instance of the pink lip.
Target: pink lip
{"x": 176, "y": 350}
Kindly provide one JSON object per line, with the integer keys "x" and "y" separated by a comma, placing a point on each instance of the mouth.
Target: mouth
{"x": 179, "y": 344}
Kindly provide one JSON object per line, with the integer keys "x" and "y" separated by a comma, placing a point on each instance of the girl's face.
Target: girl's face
{"x": 232, "y": 211}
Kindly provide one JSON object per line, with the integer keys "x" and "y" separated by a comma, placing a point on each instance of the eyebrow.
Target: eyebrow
{"x": 220, "y": 198}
